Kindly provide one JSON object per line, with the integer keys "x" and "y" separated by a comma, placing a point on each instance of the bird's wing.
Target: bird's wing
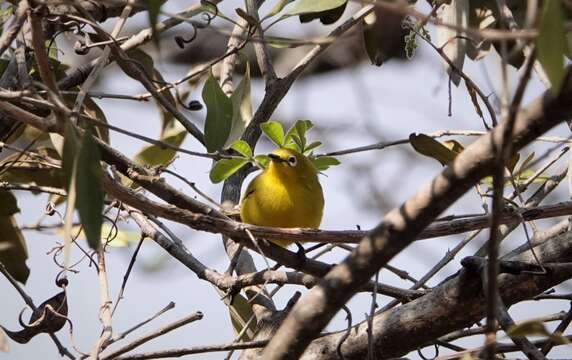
{"x": 250, "y": 189}
{"x": 248, "y": 193}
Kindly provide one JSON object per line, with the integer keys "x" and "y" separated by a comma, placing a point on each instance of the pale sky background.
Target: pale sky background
{"x": 356, "y": 107}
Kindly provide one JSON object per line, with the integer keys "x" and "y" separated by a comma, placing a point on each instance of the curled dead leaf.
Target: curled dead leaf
{"x": 49, "y": 317}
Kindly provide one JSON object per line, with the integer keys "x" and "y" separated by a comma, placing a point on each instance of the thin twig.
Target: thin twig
{"x": 468, "y": 81}
{"x": 162, "y": 331}
{"x": 127, "y": 273}
{"x": 39, "y": 45}
{"x": 195, "y": 350}
{"x": 478, "y": 330}
{"x": 261, "y": 50}
{"x": 435, "y": 135}
{"x": 77, "y": 76}
{"x": 33, "y": 188}
{"x": 170, "y": 305}
{"x": 105, "y": 308}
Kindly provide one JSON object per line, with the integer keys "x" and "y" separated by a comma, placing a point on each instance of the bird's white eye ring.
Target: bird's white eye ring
{"x": 292, "y": 161}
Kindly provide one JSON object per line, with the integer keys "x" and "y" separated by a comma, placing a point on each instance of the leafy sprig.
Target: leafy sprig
{"x": 295, "y": 138}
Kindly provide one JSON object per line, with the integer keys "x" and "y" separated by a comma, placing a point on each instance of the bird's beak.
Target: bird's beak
{"x": 276, "y": 158}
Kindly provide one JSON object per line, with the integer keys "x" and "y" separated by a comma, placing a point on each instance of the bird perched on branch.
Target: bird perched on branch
{"x": 286, "y": 194}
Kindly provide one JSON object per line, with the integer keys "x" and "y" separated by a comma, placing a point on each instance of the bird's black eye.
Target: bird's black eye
{"x": 292, "y": 161}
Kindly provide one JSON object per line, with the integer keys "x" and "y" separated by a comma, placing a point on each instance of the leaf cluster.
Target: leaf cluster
{"x": 295, "y": 138}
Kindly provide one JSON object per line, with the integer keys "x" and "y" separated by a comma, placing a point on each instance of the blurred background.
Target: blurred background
{"x": 352, "y": 103}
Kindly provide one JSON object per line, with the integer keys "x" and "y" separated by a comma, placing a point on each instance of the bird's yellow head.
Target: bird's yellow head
{"x": 290, "y": 164}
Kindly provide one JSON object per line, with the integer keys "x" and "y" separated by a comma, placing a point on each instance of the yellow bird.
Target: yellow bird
{"x": 286, "y": 194}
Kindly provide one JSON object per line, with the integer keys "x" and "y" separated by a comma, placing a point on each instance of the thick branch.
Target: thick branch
{"x": 234, "y": 229}
{"x": 400, "y": 227}
{"x": 455, "y": 304}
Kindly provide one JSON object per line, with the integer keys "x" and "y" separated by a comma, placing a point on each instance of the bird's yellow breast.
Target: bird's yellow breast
{"x": 284, "y": 197}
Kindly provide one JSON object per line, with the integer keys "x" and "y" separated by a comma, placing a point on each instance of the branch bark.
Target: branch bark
{"x": 455, "y": 304}
{"x": 400, "y": 227}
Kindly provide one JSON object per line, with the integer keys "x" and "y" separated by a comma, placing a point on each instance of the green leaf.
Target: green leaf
{"x": 302, "y": 127}
{"x": 278, "y": 42}
{"x": 242, "y": 147}
{"x": 219, "y": 115}
{"x": 93, "y": 110}
{"x": 110, "y": 235}
{"x": 262, "y": 161}
{"x": 90, "y": 189}
{"x": 70, "y": 153}
{"x": 528, "y": 328}
{"x": 277, "y": 8}
{"x": 314, "y": 6}
{"x": 157, "y": 155}
{"x": 240, "y": 313}
{"x": 432, "y": 148}
{"x": 273, "y": 130}
{"x": 5, "y": 14}
{"x": 518, "y": 180}
{"x": 322, "y": 163}
{"x": 145, "y": 62}
{"x": 153, "y": 9}
{"x": 559, "y": 338}
{"x": 292, "y": 145}
{"x": 297, "y": 134}
{"x": 172, "y": 132}
{"x": 312, "y": 146}
{"x": 326, "y": 17}
{"x": 118, "y": 237}
{"x": 298, "y": 142}
{"x": 52, "y": 49}
{"x": 224, "y": 168}
{"x": 8, "y": 202}
{"x": 13, "y": 252}
{"x": 301, "y": 135}
{"x": 551, "y": 43}
{"x": 241, "y": 108}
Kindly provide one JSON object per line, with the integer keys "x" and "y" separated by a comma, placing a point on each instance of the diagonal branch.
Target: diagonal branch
{"x": 400, "y": 227}
{"x": 8, "y": 35}
{"x": 455, "y": 304}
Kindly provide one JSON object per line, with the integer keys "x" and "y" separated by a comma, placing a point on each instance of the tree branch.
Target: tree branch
{"x": 454, "y": 304}
{"x": 400, "y": 227}
{"x": 160, "y": 332}
{"x": 8, "y": 35}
